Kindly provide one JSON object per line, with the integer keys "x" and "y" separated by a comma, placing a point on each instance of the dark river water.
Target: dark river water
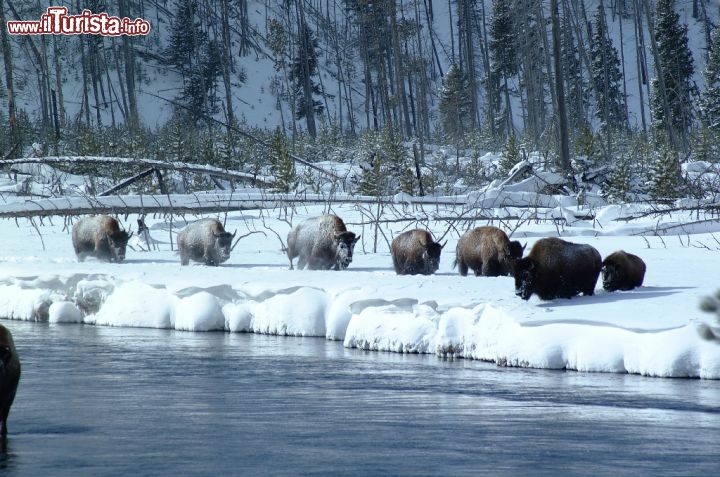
{"x": 117, "y": 401}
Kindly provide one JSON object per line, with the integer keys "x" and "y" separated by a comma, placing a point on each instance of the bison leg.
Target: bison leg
{"x": 491, "y": 268}
{"x": 302, "y": 261}
{"x": 462, "y": 267}
{"x": 184, "y": 259}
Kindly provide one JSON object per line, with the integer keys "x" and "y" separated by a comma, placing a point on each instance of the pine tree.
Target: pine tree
{"x": 576, "y": 89}
{"x": 283, "y": 167}
{"x": 185, "y": 36}
{"x": 710, "y": 105}
{"x": 455, "y": 104}
{"x": 676, "y": 66}
{"x": 511, "y": 155}
{"x": 503, "y": 48}
{"x": 387, "y": 167}
{"x": 665, "y": 179}
{"x": 305, "y": 62}
{"x": 620, "y": 181}
{"x": 198, "y": 59}
{"x": 606, "y": 76}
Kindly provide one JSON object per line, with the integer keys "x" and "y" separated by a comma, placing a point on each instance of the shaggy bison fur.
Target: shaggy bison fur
{"x": 206, "y": 241}
{"x": 415, "y": 252}
{"x": 321, "y": 243}
{"x": 622, "y": 271}
{"x": 487, "y": 251}
{"x": 555, "y": 268}
{"x": 99, "y": 236}
{"x": 9, "y": 376}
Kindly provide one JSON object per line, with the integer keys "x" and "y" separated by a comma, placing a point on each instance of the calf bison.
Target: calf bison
{"x": 488, "y": 251}
{"x": 622, "y": 271}
{"x": 321, "y": 243}
{"x": 99, "y": 236}
{"x": 415, "y": 252}
{"x": 555, "y": 268}
{"x": 9, "y": 376}
{"x": 206, "y": 241}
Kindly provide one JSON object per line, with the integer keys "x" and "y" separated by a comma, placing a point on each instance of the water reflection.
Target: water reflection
{"x": 116, "y": 401}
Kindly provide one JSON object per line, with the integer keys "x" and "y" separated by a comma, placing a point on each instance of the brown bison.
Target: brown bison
{"x": 415, "y": 252}
{"x": 99, "y": 236}
{"x": 622, "y": 271}
{"x": 9, "y": 376}
{"x": 321, "y": 243}
{"x": 206, "y": 241}
{"x": 555, "y": 268}
{"x": 488, "y": 251}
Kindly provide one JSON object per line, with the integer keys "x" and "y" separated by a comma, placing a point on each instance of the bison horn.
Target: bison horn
{"x": 443, "y": 245}
{"x": 131, "y": 234}
{"x": 233, "y": 234}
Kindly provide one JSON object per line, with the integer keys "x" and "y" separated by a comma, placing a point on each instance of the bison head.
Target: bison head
{"x": 345, "y": 244}
{"x": 610, "y": 277}
{"x": 431, "y": 256}
{"x": 223, "y": 244}
{"x": 516, "y": 250}
{"x": 525, "y": 273}
{"x": 117, "y": 242}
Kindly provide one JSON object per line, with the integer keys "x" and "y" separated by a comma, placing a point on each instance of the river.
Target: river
{"x": 106, "y": 401}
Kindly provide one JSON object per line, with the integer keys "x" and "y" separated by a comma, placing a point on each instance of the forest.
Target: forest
{"x": 619, "y": 92}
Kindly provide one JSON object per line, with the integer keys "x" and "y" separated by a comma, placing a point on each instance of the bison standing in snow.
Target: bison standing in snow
{"x": 488, "y": 251}
{"x": 99, "y": 236}
{"x": 9, "y": 376}
{"x": 555, "y": 268}
{"x": 622, "y": 271}
{"x": 321, "y": 243}
{"x": 415, "y": 252}
{"x": 206, "y": 241}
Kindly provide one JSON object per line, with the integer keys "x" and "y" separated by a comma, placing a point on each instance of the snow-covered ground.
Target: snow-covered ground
{"x": 650, "y": 331}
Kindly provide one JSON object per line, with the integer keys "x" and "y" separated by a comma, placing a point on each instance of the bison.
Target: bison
{"x": 488, "y": 251}
{"x": 9, "y": 376}
{"x": 622, "y": 271}
{"x": 99, "y": 236}
{"x": 415, "y": 252}
{"x": 555, "y": 268}
{"x": 206, "y": 241}
{"x": 321, "y": 243}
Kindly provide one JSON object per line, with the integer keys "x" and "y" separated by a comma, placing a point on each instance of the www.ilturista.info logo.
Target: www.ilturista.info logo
{"x": 57, "y": 22}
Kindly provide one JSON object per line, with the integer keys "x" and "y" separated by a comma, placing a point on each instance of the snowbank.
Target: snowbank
{"x": 490, "y": 331}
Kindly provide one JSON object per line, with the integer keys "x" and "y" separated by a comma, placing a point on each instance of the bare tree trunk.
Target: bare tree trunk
{"x": 399, "y": 75}
{"x": 641, "y": 64}
{"x": 58, "y": 79}
{"x": 560, "y": 88}
{"x": 7, "y": 58}
{"x": 129, "y": 62}
{"x": 305, "y": 48}
{"x": 660, "y": 77}
{"x": 226, "y": 64}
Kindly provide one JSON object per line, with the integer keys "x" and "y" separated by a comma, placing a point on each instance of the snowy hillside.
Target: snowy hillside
{"x": 258, "y": 86}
